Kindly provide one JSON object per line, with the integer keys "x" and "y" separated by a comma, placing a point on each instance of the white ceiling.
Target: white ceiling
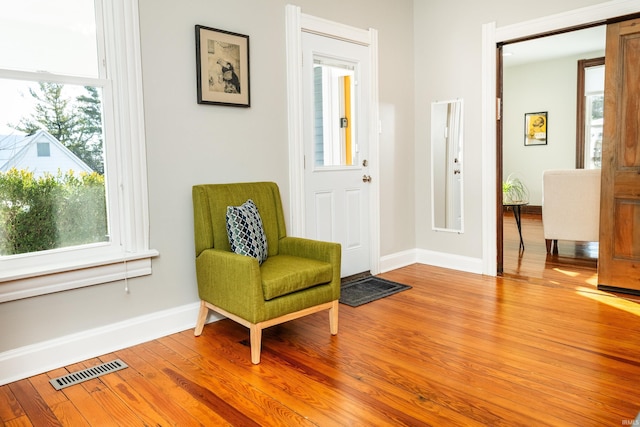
{"x": 557, "y": 46}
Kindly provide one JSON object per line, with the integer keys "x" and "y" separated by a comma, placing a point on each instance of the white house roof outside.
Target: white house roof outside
{"x": 40, "y": 153}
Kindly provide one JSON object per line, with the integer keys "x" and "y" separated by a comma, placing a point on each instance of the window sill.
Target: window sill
{"x": 65, "y": 276}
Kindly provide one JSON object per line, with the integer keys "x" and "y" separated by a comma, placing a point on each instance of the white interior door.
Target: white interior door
{"x": 336, "y": 125}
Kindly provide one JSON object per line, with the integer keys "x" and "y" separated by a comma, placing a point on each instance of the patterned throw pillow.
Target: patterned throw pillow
{"x": 246, "y": 234}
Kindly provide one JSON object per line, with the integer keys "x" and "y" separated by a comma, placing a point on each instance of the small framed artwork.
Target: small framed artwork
{"x": 535, "y": 128}
{"x": 222, "y": 64}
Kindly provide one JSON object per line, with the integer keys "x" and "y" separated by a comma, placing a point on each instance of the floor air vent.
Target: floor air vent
{"x": 87, "y": 374}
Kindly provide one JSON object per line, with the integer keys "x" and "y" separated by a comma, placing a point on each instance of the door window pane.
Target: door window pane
{"x": 334, "y": 113}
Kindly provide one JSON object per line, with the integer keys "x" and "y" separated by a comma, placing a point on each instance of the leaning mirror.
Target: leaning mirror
{"x": 446, "y": 166}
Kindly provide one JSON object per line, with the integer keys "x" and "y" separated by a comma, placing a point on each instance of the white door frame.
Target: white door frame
{"x": 296, "y": 23}
{"x": 490, "y": 37}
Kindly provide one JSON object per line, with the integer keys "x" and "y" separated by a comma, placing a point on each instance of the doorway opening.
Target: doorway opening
{"x": 538, "y": 74}
{"x": 604, "y": 13}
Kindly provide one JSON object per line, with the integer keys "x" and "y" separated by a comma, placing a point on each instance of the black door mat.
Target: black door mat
{"x": 369, "y": 289}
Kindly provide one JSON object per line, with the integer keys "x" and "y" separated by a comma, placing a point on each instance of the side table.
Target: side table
{"x": 517, "y": 210}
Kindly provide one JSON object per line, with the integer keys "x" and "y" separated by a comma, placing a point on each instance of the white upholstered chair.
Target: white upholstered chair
{"x": 570, "y": 206}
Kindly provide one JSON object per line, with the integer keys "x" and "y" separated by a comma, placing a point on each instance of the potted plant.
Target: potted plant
{"x": 514, "y": 191}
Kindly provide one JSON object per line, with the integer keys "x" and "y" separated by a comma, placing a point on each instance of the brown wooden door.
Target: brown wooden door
{"x": 619, "y": 256}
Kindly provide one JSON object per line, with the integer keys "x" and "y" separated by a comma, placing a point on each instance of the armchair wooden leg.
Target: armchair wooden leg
{"x": 547, "y": 242}
{"x": 333, "y": 317}
{"x": 202, "y": 317}
{"x": 255, "y": 338}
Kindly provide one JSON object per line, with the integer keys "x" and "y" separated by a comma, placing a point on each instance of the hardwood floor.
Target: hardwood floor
{"x": 540, "y": 346}
{"x": 534, "y": 262}
{"x": 536, "y": 266}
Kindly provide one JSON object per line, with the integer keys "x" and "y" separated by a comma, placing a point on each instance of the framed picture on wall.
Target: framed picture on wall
{"x": 535, "y": 128}
{"x": 222, "y": 67}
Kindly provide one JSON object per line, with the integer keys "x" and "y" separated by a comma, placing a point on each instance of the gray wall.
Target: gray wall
{"x": 428, "y": 50}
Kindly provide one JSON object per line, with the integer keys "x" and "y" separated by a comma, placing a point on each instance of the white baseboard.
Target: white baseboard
{"x": 397, "y": 260}
{"x": 450, "y": 261}
{"x": 35, "y": 359}
{"x": 437, "y": 259}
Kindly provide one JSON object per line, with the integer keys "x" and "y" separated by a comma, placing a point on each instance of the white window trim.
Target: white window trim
{"x": 71, "y": 268}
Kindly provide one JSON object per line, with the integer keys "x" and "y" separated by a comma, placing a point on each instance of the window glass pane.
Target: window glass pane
{"x": 594, "y": 116}
{"x": 594, "y": 79}
{"x": 58, "y": 200}
{"x": 334, "y": 113}
{"x": 44, "y": 149}
{"x": 594, "y": 131}
{"x": 32, "y": 32}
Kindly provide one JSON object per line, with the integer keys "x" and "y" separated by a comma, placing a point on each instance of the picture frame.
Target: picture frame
{"x": 222, "y": 67}
{"x": 535, "y": 128}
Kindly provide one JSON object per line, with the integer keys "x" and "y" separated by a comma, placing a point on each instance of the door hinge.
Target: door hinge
{"x": 498, "y": 109}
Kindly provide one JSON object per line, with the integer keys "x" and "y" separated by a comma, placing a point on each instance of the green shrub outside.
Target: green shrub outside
{"x": 50, "y": 212}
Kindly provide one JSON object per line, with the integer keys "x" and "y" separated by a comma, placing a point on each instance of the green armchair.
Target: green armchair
{"x": 298, "y": 277}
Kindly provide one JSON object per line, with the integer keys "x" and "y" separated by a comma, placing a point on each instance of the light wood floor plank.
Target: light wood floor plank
{"x": 22, "y": 421}
{"x": 68, "y": 414}
{"x": 9, "y": 406}
{"x": 149, "y": 366}
{"x": 33, "y": 404}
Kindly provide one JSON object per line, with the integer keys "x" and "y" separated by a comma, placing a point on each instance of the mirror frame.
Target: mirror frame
{"x": 450, "y": 168}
